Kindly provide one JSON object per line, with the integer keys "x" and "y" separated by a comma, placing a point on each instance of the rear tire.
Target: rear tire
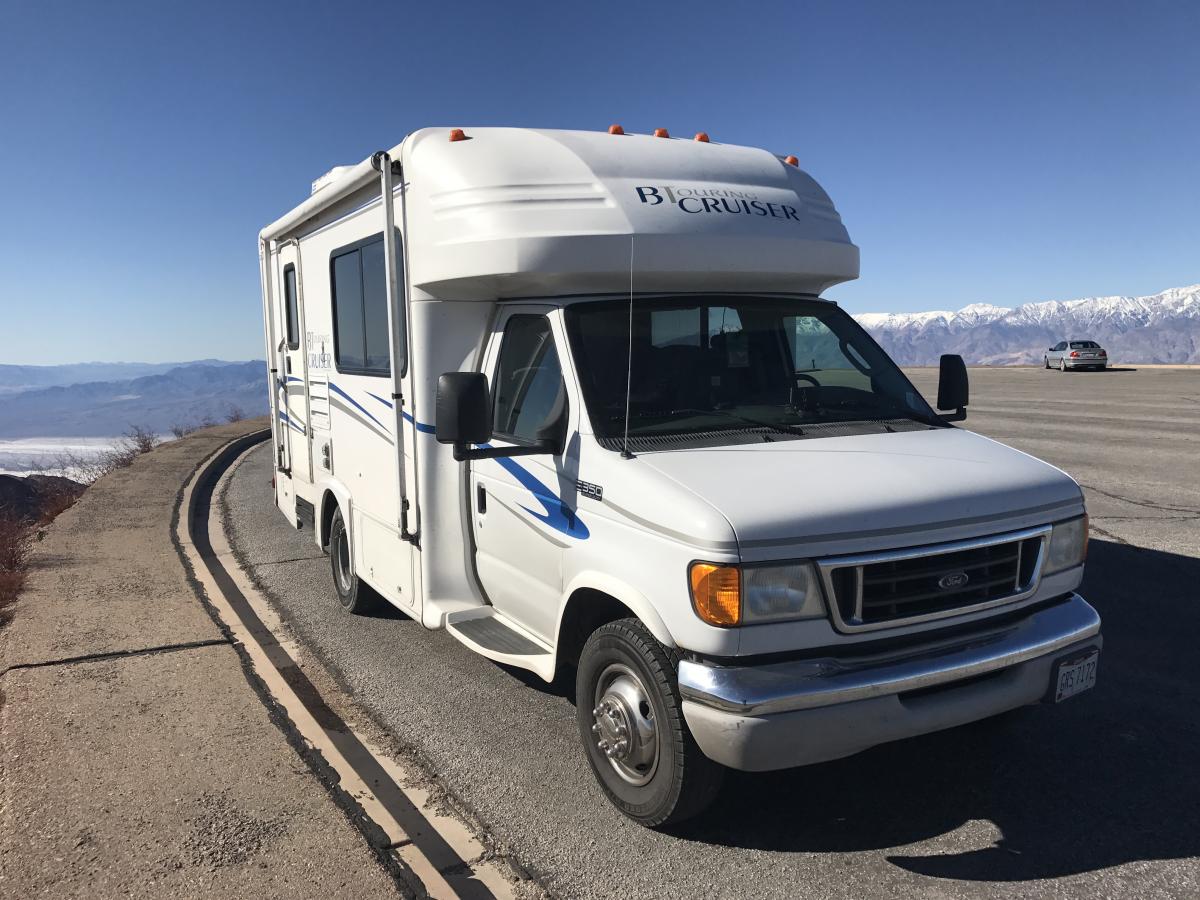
{"x": 633, "y": 731}
{"x": 352, "y": 594}
{"x": 1062, "y": 366}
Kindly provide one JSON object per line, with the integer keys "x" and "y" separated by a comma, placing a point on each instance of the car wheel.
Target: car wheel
{"x": 352, "y": 594}
{"x": 1046, "y": 361}
{"x": 1062, "y": 365}
{"x": 631, "y": 723}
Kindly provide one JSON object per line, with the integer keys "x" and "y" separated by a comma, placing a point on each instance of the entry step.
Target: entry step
{"x": 488, "y": 632}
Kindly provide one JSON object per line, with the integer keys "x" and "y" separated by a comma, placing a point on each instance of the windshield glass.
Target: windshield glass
{"x": 707, "y": 364}
{"x": 1084, "y": 345}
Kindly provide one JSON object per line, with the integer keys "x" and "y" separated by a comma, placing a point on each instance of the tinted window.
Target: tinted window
{"x": 374, "y": 272}
{"x": 1061, "y": 345}
{"x": 528, "y": 378}
{"x": 1084, "y": 345}
{"x": 348, "y": 312}
{"x": 731, "y": 363}
{"x": 291, "y": 312}
{"x": 359, "y": 276}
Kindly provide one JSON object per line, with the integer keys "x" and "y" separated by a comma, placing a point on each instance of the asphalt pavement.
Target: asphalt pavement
{"x": 1097, "y": 797}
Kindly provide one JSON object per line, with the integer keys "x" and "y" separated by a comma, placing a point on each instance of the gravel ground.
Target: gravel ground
{"x": 1098, "y": 797}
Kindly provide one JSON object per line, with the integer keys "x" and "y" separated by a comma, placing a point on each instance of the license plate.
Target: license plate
{"x": 1075, "y": 675}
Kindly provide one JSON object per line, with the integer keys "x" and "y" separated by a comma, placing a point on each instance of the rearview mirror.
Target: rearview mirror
{"x": 953, "y": 388}
{"x": 463, "y": 417}
{"x": 463, "y": 409}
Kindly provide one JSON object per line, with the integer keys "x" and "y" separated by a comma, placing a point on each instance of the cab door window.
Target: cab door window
{"x": 527, "y": 381}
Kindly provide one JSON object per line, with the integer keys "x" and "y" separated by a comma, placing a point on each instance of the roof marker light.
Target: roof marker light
{"x": 457, "y": 134}
{"x": 702, "y": 137}
{"x": 615, "y": 129}
{"x": 661, "y": 132}
{"x": 791, "y": 161}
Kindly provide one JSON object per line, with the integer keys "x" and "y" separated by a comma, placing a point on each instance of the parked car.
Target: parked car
{"x": 1076, "y": 355}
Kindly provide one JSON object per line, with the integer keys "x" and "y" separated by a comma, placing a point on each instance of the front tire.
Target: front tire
{"x": 1046, "y": 361}
{"x": 352, "y": 594}
{"x": 634, "y": 734}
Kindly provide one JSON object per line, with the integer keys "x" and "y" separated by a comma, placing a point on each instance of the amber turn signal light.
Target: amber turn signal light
{"x": 615, "y": 129}
{"x": 661, "y": 132}
{"x": 716, "y": 593}
{"x": 791, "y": 160}
{"x": 457, "y": 134}
{"x": 702, "y": 137}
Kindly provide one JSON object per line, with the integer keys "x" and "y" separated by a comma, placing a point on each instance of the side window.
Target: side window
{"x": 528, "y": 378}
{"x": 359, "y": 288}
{"x": 1061, "y": 345}
{"x": 290, "y": 309}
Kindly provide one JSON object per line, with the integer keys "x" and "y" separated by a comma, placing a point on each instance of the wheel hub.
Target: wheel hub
{"x": 623, "y": 725}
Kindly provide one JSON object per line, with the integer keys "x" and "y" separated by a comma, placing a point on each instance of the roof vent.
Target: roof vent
{"x": 330, "y": 177}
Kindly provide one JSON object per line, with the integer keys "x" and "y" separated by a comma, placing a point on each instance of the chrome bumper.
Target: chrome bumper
{"x": 781, "y": 715}
{"x": 809, "y": 683}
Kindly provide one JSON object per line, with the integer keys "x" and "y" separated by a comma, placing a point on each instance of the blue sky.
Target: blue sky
{"x": 994, "y": 152}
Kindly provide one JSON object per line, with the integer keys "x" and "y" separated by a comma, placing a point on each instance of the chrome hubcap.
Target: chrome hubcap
{"x": 623, "y": 726}
{"x": 342, "y": 551}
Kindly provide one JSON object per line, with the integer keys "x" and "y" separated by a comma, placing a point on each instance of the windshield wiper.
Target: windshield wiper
{"x": 851, "y": 407}
{"x": 762, "y": 423}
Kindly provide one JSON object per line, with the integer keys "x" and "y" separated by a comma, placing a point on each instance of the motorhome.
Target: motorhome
{"x": 575, "y": 398}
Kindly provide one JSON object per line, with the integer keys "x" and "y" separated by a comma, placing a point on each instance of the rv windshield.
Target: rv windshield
{"x": 762, "y": 366}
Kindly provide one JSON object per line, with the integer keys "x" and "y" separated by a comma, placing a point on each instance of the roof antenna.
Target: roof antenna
{"x": 625, "y": 454}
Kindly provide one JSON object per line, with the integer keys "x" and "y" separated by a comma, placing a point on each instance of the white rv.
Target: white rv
{"x": 575, "y": 398}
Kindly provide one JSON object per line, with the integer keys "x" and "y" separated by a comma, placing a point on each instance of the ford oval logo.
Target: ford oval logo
{"x": 953, "y": 580}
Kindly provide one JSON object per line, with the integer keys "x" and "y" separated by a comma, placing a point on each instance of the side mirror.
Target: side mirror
{"x": 463, "y": 413}
{"x": 953, "y": 388}
{"x": 552, "y": 433}
{"x": 463, "y": 416}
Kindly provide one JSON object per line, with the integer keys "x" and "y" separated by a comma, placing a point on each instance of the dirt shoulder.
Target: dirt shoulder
{"x": 135, "y": 756}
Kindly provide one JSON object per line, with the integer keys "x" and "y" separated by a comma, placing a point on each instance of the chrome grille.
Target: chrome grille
{"x": 879, "y": 590}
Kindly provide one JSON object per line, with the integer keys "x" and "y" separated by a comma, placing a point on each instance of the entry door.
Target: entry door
{"x": 294, "y": 397}
{"x": 522, "y": 526}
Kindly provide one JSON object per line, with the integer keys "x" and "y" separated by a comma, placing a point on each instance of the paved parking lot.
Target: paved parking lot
{"x": 1097, "y": 797}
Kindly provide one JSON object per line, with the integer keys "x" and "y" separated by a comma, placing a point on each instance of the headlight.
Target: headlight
{"x": 725, "y": 595}
{"x": 1068, "y": 545}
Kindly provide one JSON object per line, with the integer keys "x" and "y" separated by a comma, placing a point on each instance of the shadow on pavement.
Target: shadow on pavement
{"x": 1105, "y": 778}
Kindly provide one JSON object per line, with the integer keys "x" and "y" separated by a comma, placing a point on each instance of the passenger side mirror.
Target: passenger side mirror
{"x": 463, "y": 416}
{"x": 463, "y": 413}
{"x": 552, "y": 433}
{"x": 953, "y": 388}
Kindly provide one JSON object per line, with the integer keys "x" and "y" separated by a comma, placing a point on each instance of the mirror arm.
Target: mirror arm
{"x": 957, "y": 416}
{"x": 464, "y": 452}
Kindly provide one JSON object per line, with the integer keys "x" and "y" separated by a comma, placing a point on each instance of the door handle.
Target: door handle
{"x": 480, "y": 499}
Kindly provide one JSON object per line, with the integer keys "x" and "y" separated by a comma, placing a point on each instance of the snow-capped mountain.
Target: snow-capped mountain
{"x": 1160, "y": 328}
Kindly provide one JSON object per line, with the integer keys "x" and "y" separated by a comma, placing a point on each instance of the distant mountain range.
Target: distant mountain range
{"x": 24, "y": 378}
{"x": 182, "y": 393}
{"x": 1160, "y": 328}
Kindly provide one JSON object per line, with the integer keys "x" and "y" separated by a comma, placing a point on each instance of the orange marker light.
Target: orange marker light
{"x": 615, "y": 129}
{"x": 457, "y": 134}
{"x": 702, "y": 137}
{"x": 661, "y": 132}
{"x": 791, "y": 160}
{"x": 716, "y": 593}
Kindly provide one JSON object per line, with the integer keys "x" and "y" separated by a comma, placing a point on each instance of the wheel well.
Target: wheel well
{"x": 329, "y": 506}
{"x": 587, "y": 609}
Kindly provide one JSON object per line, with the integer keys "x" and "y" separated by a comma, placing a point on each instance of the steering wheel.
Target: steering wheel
{"x": 806, "y": 377}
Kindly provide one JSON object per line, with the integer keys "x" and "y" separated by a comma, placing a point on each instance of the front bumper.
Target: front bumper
{"x": 795, "y": 713}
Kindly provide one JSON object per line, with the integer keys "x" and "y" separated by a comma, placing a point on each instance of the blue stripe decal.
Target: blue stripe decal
{"x": 294, "y": 378}
{"x": 358, "y": 406}
{"x": 285, "y": 418}
{"x": 557, "y": 514}
{"x": 420, "y": 426}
